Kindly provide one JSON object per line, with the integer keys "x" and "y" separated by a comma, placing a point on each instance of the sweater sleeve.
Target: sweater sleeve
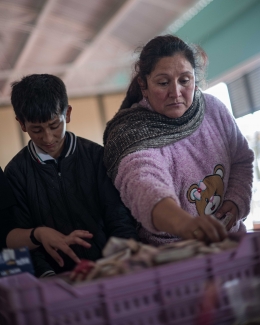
{"x": 240, "y": 182}
{"x": 239, "y": 188}
{"x": 143, "y": 180}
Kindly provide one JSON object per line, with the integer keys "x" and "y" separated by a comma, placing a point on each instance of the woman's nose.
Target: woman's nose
{"x": 174, "y": 90}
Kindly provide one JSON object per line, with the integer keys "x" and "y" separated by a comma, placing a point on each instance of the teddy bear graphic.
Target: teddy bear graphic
{"x": 208, "y": 193}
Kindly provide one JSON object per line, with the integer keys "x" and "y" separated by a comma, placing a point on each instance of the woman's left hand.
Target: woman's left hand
{"x": 228, "y": 208}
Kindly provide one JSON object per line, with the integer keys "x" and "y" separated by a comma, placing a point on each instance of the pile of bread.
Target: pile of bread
{"x": 124, "y": 256}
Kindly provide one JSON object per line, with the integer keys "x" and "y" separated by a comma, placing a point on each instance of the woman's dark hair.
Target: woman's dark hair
{"x": 38, "y": 98}
{"x": 152, "y": 52}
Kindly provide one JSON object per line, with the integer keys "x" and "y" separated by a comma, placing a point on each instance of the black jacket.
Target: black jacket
{"x": 77, "y": 196}
{"x": 7, "y": 203}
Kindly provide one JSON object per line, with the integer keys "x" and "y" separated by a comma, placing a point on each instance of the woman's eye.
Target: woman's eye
{"x": 163, "y": 83}
{"x": 185, "y": 81}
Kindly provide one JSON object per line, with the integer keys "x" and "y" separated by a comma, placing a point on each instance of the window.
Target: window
{"x": 245, "y": 93}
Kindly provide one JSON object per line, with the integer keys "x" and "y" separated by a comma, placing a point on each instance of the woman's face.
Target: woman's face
{"x": 171, "y": 86}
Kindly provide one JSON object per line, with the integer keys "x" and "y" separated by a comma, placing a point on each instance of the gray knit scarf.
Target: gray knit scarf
{"x": 137, "y": 128}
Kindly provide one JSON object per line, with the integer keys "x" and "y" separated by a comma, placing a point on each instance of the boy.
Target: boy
{"x": 60, "y": 183}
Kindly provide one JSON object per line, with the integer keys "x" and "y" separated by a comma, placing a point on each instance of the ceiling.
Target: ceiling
{"x": 88, "y": 43}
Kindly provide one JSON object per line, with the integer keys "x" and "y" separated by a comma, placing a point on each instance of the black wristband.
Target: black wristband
{"x": 33, "y": 239}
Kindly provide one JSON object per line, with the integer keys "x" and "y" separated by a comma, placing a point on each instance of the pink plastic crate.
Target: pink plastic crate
{"x": 249, "y": 245}
{"x": 26, "y": 300}
{"x": 64, "y": 304}
{"x": 182, "y": 280}
{"x": 131, "y": 294}
{"x": 188, "y": 312}
{"x": 20, "y": 300}
{"x": 172, "y": 294}
{"x": 183, "y": 288}
{"x": 239, "y": 300}
{"x": 241, "y": 262}
{"x": 148, "y": 317}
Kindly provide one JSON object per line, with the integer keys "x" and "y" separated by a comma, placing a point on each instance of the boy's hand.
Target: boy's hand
{"x": 52, "y": 240}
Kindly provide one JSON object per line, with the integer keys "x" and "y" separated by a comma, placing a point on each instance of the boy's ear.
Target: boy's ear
{"x": 68, "y": 113}
{"x": 21, "y": 124}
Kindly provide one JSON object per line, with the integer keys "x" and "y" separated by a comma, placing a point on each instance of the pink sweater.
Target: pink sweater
{"x": 199, "y": 172}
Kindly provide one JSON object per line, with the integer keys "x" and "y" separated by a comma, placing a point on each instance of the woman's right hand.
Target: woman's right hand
{"x": 167, "y": 216}
{"x": 205, "y": 228}
{"x": 52, "y": 240}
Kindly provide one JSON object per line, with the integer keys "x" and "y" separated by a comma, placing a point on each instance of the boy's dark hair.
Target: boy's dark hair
{"x": 39, "y": 98}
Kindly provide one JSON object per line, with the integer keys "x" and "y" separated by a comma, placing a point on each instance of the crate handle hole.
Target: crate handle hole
{"x": 136, "y": 302}
{"x": 146, "y": 300}
{"x": 87, "y": 315}
{"x": 117, "y": 308}
{"x": 126, "y": 304}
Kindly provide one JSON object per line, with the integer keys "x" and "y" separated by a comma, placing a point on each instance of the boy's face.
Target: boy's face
{"x": 49, "y": 136}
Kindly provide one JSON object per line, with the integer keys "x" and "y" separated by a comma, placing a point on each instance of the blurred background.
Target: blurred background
{"x": 90, "y": 45}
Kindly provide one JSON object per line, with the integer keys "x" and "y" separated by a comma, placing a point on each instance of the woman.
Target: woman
{"x": 175, "y": 154}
